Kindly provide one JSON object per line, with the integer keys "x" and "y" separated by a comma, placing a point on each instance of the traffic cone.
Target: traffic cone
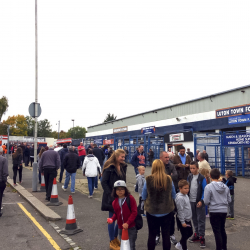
{"x": 71, "y": 227}
{"x": 54, "y": 195}
{"x": 42, "y": 188}
{"x": 125, "y": 245}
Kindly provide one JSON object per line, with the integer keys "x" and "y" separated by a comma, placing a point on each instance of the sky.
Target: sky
{"x": 123, "y": 57}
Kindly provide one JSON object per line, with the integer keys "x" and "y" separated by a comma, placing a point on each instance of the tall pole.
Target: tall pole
{"x": 8, "y": 143}
{"x": 73, "y": 126}
{"x": 34, "y": 182}
{"x": 58, "y": 129}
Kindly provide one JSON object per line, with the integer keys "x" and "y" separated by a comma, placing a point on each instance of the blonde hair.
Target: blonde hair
{"x": 141, "y": 167}
{"x": 159, "y": 175}
{"x": 229, "y": 172}
{"x": 113, "y": 158}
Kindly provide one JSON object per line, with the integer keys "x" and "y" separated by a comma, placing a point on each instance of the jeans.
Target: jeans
{"x": 186, "y": 232}
{"x": 49, "y": 175}
{"x": 112, "y": 228}
{"x": 136, "y": 170}
{"x": 199, "y": 218}
{"x": 91, "y": 184}
{"x": 82, "y": 157}
{"x": 61, "y": 173}
{"x": 39, "y": 176}
{"x": 2, "y": 187}
{"x": 132, "y": 234}
{"x": 26, "y": 160}
{"x": 154, "y": 224}
{"x": 231, "y": 207}
{"x": 172, "y": 225}
{"x": 15, "y": 169}
{"x": 218, "y": 221}
{"x": 96, "y": 182}
{"x": 73, "y": 179}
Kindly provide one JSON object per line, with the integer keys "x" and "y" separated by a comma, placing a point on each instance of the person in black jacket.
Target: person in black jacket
{"x": 63, "y": 153}
{"x": 27, "y": 155}
{"x": 71, "y": 163}
{"x": 114, "y": 169}
{"x": 17, "y": 158}
{"x": 230, "y": 183}
{"x": 99, "y": 154}
{"x": 31, "y": 155}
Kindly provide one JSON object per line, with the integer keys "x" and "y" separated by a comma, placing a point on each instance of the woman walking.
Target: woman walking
{"x": 90, "y": 168}
{"x": 159, "y": 194}
{"x": 17, "y": 159}
{"x": 114, "y": 169}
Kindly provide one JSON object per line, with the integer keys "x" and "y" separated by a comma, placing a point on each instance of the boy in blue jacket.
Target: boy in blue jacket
{"x": 139, "y": 159}
{"x": 197, "y": 183}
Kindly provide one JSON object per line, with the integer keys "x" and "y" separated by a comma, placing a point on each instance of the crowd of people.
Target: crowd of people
{"x": 179, "y": 190}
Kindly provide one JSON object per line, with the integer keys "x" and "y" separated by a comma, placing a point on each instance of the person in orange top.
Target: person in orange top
{"x": 4, "y": 149}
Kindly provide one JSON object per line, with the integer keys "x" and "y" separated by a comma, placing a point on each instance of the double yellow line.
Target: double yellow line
{"x": 52, "y": 242}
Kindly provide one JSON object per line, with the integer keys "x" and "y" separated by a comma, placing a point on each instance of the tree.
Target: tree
{"x": 18, "y": 125}
{"x": 44, "y": 128}
{"x": 54, "y": 134}
{"x": 77, "y": 132}
{"x": 3, "y": 129}
{"x": 63, "y": 134}
{"x": 4, "y": 104}
{"x": 110, "y": 117}
{"x": 30, "y": 125}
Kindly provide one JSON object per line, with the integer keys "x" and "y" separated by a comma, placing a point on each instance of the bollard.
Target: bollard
{"x": 34, "y": 179}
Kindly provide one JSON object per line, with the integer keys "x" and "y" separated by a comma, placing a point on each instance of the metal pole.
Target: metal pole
{"x": 8, "y": 142}
{"x": 58, "y": 128}
{"x": 34, "y": 182}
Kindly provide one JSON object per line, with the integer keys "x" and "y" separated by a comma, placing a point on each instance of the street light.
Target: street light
{"x": 58, "y": 128}
{"x": 73, "y": 126}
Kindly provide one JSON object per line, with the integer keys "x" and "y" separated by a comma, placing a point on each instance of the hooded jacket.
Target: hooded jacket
{"x": 140, "y": 180}
{"x": 63, "y": 153}
{"x": 91, "y": 166}
{"x": 184, "y": 211}
{"x": 217, "y": 196}
{"x": 139, "y": 159}
{"x": 71, "y": 162}
{"x": 230, "y": 183}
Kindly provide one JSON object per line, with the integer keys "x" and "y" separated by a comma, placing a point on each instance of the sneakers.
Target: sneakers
{"x": 113, "y": 245}
{"x": 96, "y": 188}
{"x": 178, "y": 246}
{"x": 64, "y": 189}
{"x": 202, "y": 242}
{"x": 195, "y": 238}
{"x": 173, "y": 240}
{"x": 157, "y": 240}
{"x": 14, "y": 185}
{"x": 118, "y": 243}
{"x": 230, "y": 218}
{"x": 90, "y": 196}
{"x": 73, "y": 192}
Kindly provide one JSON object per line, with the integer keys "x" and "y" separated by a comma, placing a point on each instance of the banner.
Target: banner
{"x": 106, "y": 142}
{"x": 232, "y": 111}
{"x": 236, "y": 139}
{"x": 120, "y": 130}
{"x": 148, "y": 130}
{"x": 239, "y": 119}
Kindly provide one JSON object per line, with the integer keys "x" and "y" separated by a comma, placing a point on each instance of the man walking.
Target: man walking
{"x": 3, "y": 176}
{"x": 203, "y": 164}
{"x": 139, "y": 159}
{"x": 81, "y": 152}
{"x": 49, "y": 164}
{"x": 71, "y": 163}
{"x": 99, "y": 154}
{"x": 126, "y": 154}
{"x": 182, "y": 164}
{"x": 63, "y": 153}
{"x": 27, "y": 155}
{"x": 190, "y": 154}
{"x": 150, "y": 156}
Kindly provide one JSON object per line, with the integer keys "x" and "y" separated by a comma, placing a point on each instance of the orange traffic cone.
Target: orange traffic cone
{"x": 54, "y": 195}
{"x": 125, "y": 245}
{"x": 42, "y": 188}
{"x": 71, "y": 226}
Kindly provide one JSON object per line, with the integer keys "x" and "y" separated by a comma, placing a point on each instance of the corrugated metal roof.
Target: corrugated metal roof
{"x": 169, "y": 106}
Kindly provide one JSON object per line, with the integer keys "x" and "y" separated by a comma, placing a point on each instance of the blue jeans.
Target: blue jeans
{"x": 136, "y": 170}
{"x": 96, "y": 182}
{"x": 73, "y": 178}
{"x": 113, "y": 229}
{"x": 91, "y": 183}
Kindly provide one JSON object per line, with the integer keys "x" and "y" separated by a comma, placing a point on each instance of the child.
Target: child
{"x": 124, "y": 216}
{"x": 197, "y": 184}
{"x": 230, "y": 183}
{"x": 184, "y": 214}
{"x": 217, "y": 196}
{"x": 140, "y": 180}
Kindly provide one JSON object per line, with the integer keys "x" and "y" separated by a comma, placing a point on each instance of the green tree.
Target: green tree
{"x": 4, "y": 104}
{"x": 30, "y": 125}
{"x": 18, "y": 125}
{"x": 77, "y": 132}
{"x": 63, "y": 134}
{"x": 44, "y": 128}
{"x": 110, "y": 117}
{"x": 54, "y": 134}
{"x": 3, "y": 129}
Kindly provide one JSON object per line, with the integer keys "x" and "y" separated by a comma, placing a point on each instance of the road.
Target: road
{"x": 93, "y": 221}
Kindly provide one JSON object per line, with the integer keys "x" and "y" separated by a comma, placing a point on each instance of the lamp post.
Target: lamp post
{"x": 58, "y": 129}
{"x": 73, "y": 126}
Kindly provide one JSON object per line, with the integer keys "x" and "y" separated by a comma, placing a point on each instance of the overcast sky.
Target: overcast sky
{"x": 123, "y": 57}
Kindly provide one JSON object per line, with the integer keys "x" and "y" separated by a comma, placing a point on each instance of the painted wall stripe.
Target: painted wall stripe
{"x": 50, "y": 239}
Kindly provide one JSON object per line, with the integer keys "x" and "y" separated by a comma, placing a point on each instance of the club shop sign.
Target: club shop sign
{"x": 233, "y": 111}
{"x": 120, "y": 130}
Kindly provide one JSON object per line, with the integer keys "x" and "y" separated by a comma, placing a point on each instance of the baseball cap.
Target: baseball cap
{"x": 120, "y": 184}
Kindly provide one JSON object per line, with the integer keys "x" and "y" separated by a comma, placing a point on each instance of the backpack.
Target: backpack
{"x": 138, "y": 219}
{"x": 136, "y": 188}
{"x": 106, "y": 152}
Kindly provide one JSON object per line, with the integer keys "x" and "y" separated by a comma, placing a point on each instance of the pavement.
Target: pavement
{"x": 92, "y": 220}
